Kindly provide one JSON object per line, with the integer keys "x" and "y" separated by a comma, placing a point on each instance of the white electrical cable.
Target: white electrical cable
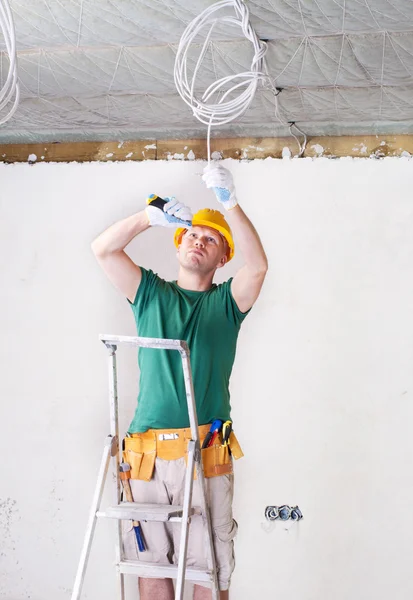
{"x": 223, "y": 111}
{"x": 11, "y": 86}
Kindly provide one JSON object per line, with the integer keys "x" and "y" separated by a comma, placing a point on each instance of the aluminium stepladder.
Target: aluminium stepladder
{"x": 150, "y": 512}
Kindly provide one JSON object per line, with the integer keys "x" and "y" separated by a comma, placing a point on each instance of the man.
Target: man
{"x": 208, "y": 317}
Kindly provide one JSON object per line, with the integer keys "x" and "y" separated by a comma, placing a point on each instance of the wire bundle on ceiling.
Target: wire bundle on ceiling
{"x": 11, "y": 86}
{"x": 227, "y": 108}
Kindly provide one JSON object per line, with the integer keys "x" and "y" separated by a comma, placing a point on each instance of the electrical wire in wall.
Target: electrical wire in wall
{"x": 10, "y": 89}
{"x": 228, "y": 97}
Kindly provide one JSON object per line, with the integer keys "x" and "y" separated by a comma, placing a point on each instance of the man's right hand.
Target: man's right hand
{"x": 172, "y": 215}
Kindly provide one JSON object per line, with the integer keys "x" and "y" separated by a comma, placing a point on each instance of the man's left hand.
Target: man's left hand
{"x": 220, "y": 180}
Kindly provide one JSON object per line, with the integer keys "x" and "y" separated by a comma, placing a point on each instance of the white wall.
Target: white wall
{"x": 321, "y": 390}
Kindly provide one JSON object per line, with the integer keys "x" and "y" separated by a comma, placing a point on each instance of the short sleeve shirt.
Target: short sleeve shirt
{"x": 209, "y": 322}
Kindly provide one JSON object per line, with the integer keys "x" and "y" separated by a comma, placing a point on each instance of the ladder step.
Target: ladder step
{"x": 131, "y": 567}
{"x": 146, "y": 512}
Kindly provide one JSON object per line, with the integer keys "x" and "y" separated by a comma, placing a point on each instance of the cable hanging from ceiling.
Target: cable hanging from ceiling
{"x": 245, "y": 84}
{"x": 11, "y": 87}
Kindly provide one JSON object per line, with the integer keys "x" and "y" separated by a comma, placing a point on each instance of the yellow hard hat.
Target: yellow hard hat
{"x": 207, "y": 217}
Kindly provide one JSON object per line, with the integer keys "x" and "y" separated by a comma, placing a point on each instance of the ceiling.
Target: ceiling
{"x": 103, "y": 69}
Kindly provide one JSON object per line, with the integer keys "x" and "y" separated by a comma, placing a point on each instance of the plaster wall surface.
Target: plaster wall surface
{"x": 321, "y": 388}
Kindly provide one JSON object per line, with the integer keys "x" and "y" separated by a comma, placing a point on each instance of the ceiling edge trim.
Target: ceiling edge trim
{"x": 367, "y": 146}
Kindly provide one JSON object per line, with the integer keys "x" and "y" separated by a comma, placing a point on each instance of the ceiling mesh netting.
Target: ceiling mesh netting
{"x": 103, "y": 69}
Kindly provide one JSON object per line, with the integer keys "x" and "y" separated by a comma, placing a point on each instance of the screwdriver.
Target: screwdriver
{"x": 159, "y": 202}
{"x": 212, "y": 433}
{"x": 226, "y": 432}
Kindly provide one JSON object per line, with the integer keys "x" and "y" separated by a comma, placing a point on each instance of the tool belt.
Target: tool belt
{"x": 141, "y": 450}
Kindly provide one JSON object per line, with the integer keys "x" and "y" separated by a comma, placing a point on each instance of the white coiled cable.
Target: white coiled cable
{"x": 11, "y": 85}
{"x": 225, "y": 110}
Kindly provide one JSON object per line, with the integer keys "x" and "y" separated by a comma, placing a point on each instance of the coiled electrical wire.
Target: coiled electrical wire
{"x": 246, "y": 83}
{"x": 11, "y": 85}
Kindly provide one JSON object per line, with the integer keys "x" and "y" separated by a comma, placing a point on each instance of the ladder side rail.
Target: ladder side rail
{"x": 116, "y": 454}
{"x": 183, "y": 546}
{"x": 206, "y": 517}
{"x": 190, "y": 393}
{"x": 193, "y": 420}
{"x": 91, "y": 524}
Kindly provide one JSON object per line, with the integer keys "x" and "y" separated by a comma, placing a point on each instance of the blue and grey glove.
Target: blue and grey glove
{"x": 220, "y": 180}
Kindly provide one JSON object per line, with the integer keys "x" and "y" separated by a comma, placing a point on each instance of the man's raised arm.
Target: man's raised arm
{"x": 109, "y": 246}
{"x": 247, "y": 283}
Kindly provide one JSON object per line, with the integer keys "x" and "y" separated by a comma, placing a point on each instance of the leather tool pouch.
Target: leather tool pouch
{"x": 217, "y": 460}
{"x": 140, "y": 453}
{"x": 235, "y": 447}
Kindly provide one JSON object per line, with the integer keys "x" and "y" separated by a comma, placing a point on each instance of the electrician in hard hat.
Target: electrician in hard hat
{"x": 208, "y": 317}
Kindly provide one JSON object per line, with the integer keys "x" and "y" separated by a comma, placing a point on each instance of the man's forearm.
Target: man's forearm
{"x": 248, "y": 240}
{"x": 117, "y": 236}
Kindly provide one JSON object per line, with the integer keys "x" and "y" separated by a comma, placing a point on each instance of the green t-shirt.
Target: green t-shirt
{"x": 209, "y": 322}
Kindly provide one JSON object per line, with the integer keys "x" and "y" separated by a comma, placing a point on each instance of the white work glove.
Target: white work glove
{"x": 174, "y": 214}
{"x": 220, "y": 180}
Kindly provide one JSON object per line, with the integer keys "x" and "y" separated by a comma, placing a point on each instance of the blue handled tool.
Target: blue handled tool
{"x": 212, "y": 433}
{"x": 139, "y": 536}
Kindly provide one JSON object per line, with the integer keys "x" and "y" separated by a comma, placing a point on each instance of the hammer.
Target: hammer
{"x": 124, "y": 469}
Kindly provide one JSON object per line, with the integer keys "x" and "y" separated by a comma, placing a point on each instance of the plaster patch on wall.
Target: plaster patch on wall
{"x": 362, "y": 148}
{"x": 129, "y": 154}
{"x": 286, "y": 153}
{"x": 120, "y": 144}
{"x": 176, "y": 156}
{"x": 318, "y": 149}
{"x": 109, "y": 155}
{"x": 380, "y": 152}
{"x": 150, "y": 147}
{"x": 190, "y": 155}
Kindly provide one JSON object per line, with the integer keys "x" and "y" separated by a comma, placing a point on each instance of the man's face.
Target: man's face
{"x": 202, "y": 249}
